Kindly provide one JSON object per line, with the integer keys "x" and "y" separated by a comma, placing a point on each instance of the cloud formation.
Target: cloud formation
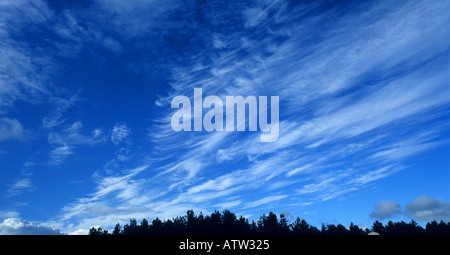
{"x": 386, "y": 209}
{"x": 422, "y": 208}
{"x": 351, "y": 96}
{"x": 10, "y": 129}
{"x": 21, "y": 185}
{"x": 363, "y": 88}
{"x": 15, "y": 226}
{"x": 426, "y": 208}
{"x": 119, "y": 133}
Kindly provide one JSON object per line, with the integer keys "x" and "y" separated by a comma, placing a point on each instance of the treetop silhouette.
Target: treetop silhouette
{"x": 226, "y": 223}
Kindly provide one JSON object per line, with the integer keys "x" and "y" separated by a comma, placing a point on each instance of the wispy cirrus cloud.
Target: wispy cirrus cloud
{"x": 23, "y": 71}
{"x": 61, "y": 106}
{"x": 121, "y": 187}
{"x": 10, "y": 129}
{"x": 407, "y": 87}
{"x": 119, "y": 133}
{"x": 265, "y": 200}
{"x": 65, "y": 141}
{"x": 19, "y": 186}
{"x": 358, "y": 92}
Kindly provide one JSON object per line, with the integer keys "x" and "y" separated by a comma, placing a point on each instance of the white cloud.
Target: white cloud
{"x": 10, "y": 129}
{"x": 60, "y": 153}
{"x": 228, "y": 205}
{"x": 221, "y": 183}
{"x": 20, "y": 186}
{"x": 132, "y": 18}
{"x": 123, "y": 187}
{"x": 119, "y": 133}
{"x": 329, "y": 185}
{"x": 305, "y": 77}
{"x": 15, "y": 226}
{"x": 254, "y": 16}
{"x": 23, "y": 71}
{"x": 374, "y": 175}
{"x": 61, "y": 106}
{"x": 298, "y": 169}
{"x": 422, "y": 208}
{"x": 79, "y": 232}
{"x": 8, "y": 214}
{"x": 426, "y": 208}
{"x": 401, "y": 152}
{"x": 386, "y": 209}
{"x": 65, "y": 142}
{"x": 264, "y": 200}
{"x": 302, "y": 77}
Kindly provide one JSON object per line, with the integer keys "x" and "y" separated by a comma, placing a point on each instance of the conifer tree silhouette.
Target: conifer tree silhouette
{"x": 227, "y": 223}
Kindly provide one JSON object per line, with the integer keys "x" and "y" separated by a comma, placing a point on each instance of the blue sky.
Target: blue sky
{"x": 86, "y": 89}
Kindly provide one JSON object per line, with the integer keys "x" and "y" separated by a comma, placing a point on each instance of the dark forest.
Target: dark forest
{"x": 227, "y": 223}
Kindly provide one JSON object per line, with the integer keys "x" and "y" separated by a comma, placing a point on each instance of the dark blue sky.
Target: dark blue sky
{"x": 86, "y": 88}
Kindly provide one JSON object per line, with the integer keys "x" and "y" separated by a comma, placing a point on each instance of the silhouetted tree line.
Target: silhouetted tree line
{"x": 228, "y": 223}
